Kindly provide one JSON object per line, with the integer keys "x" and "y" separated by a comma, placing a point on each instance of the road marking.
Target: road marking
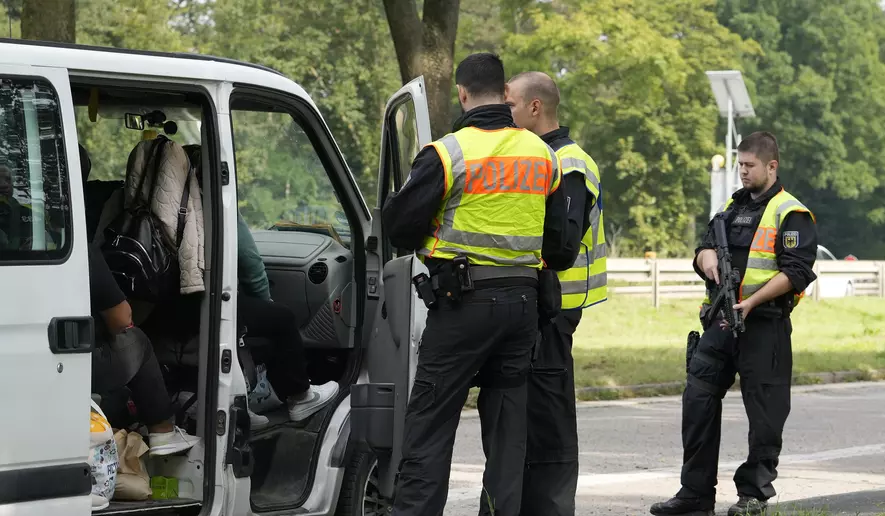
{"x": 472, "y": 473}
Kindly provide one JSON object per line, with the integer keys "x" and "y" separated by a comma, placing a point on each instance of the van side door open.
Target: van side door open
{"x": 379, "y": 407}
{"x": 46, "y": 331}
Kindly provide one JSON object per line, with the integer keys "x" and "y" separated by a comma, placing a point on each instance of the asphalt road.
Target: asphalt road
{"x": 833, "y": 456}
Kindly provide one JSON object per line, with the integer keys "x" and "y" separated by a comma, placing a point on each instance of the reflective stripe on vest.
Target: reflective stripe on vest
{"x": 586, "y": 282}
{"x": 762, "y": 260}
{"x": 496, "y": 189}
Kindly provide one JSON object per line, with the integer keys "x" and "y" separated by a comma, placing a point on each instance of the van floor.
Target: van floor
{"x": 153, "y": 506}
{"x": 283, "y": 455}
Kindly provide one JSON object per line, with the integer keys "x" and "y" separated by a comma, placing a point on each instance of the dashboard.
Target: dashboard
{"x": 311, "y": 274}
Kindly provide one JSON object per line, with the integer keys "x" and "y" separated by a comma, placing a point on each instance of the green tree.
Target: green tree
{"x": 635, "y": 96}
{"x": 10, "y": 21}
{"x": 338, "y": 50}
{"x": 48, "y": 20}
{"x": 426, "y": 46}
{"x": 820, "y": 87}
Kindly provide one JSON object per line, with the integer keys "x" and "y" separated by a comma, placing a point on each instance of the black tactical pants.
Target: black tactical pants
{"x": 492, "y": 333}
{"x": 762, "y": 355}
{"x": 550, "y": 480}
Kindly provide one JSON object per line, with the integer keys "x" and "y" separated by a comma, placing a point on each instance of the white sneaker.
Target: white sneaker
{"x": 173, "y": 442}
{"x": 257, "y": 421}
{"x": 317, "y": 397}
{"x": 99, "y": 502}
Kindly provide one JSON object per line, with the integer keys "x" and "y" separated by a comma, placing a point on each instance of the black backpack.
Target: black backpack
{"x": 142, "y": 260}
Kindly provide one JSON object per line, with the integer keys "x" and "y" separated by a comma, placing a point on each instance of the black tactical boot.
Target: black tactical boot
{"x": 683, "y": 507}
{"x": 747, "y": 506}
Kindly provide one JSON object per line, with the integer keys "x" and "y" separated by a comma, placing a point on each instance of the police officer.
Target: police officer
{"x": 483, "y": 208}
{"x": 772, "y": 238}
{"x": 551, "y": 467}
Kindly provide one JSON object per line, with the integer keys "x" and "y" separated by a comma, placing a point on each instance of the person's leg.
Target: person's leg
{"x": 711, "y": 371}
{"x": 287, "y": 370}
{"x": 287, "y": 367}
{"x": 550, "y": 480}
{"x": 765, "y": 365}
{"x": 129, "y": 360}
{"x": 502, "y": 401}
{"x": 456, "y": 341}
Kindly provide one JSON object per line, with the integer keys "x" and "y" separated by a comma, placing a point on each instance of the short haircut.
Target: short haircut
{"x": 482, "y": 75}
{"x": 539, "y": 85}
{"x": 763, "y": 144}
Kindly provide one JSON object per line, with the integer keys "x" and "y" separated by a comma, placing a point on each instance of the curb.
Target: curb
{"x": 799, "y": 379}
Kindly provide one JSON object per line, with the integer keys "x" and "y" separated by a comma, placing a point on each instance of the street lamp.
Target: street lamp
{"x": 733, "y": 101}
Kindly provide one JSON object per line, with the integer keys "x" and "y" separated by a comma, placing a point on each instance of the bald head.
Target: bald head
{"x": 534, "y": 100}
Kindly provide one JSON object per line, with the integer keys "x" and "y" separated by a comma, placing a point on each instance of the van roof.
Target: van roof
{"x": 168, "y": 65}
{"x": 177, "y": 55}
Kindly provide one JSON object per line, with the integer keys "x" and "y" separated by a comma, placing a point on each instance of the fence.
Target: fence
{"x": 675, "y": 278}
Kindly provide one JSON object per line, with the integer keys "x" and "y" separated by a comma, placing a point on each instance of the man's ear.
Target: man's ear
{"x": 536, "y": 107}
{"x": 462, "y": 94}
{"x": 772, "y": 166}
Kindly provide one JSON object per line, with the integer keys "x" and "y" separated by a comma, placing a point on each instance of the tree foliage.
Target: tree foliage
{"x": 636, "y": 98}
{"x": 820, "y": 87}
{"x": 631, "y": 74}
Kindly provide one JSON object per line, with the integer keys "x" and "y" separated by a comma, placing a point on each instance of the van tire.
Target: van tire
{"x": 357, "y": 485}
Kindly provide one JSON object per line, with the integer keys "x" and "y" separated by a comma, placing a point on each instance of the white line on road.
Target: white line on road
{"x": 472, "y": 473}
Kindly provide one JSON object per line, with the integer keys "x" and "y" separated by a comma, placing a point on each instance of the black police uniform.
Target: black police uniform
{"x": 488, "y": 337}
{"x": 551, "y": 462}
{"x": 762, "y": 355}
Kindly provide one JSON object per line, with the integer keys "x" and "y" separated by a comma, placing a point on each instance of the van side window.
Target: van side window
{"x": 35, "y": 213}
{"x": 281, "y": 181}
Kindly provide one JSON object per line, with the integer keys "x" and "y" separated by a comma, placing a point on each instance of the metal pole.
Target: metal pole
{"x": 728, "y": 180}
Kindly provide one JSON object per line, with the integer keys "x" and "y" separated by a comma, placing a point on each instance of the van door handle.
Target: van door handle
{"x": 71, "y": 335}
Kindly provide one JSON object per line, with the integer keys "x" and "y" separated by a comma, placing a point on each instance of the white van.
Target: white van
{"x": 353, "y": 298}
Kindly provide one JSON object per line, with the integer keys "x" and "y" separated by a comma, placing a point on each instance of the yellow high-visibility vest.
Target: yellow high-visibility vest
{"x": 585, "y": 283}
{"x": 496, "y": 188}
{"x": 762, "y": 260}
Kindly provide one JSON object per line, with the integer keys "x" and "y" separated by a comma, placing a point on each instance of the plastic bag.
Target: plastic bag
{"x": 103, "y": 460}
{"x": 263, "y": 398}
{"x": 133, "y": 481}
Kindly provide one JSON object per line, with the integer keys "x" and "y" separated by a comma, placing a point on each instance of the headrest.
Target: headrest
{"x": 195, "y": 155}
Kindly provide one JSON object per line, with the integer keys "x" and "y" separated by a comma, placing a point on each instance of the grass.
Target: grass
{"x": 626, "y": 342}
{"x": 793, "y": 510}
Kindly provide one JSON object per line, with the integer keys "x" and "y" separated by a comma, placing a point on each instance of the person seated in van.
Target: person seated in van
{"x": 124, "y": 356}
{"x": 286, "y": 365}
{"x": 285, "y": 361}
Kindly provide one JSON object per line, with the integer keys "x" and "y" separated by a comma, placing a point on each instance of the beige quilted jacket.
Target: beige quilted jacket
{"x": 171, "y": 178}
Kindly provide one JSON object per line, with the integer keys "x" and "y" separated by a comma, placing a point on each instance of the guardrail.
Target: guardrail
{"x": 675, "y": 278}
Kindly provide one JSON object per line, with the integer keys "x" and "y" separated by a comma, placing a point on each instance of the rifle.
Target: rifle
{"x": 729, "y": 279}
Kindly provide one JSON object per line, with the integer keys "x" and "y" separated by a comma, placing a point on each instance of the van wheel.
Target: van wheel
{"x": 360, "y": 495}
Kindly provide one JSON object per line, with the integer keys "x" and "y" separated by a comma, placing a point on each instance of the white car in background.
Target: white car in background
{"x": 831, "y": 285}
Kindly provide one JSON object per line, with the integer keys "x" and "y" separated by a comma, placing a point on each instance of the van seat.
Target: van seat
{"x": 96, "y": 194}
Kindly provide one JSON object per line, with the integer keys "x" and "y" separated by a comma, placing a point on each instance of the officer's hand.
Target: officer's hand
{"x": 745, "y": 307}
{"x": 709, "y": 263}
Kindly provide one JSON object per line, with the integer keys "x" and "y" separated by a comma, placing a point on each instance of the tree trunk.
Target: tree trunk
{"x": 49, "y": 20}
{"x": 427, "y": 47}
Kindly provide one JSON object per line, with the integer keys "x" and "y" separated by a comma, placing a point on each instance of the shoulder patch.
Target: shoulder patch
{"x": 791, "y": 239}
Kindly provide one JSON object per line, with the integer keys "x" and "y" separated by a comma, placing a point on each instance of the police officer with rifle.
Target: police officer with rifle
{"x": 757, "y": 258}
{"x": 483, "y": 208}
